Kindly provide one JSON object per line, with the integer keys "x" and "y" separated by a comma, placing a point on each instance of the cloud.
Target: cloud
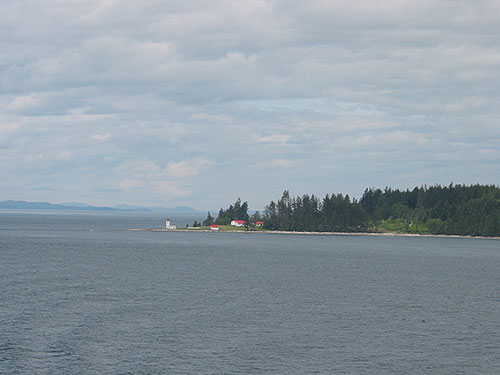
{"x": 281, "y": 163}
{"x": 102, "y": 137}
{"x": 211, "y": 118}
{"x": 281, "y": 139}
{"x": 176, "y": 180}
{"x": 8, "y": 128}
{"x": 187, "y": 168}
{"x": 23, "y": 102}
{"x": 156, "y": 101}
{"x": 129, "y": 184}
{"x": 172, "y": 188}
{"x": 8, "y": 132}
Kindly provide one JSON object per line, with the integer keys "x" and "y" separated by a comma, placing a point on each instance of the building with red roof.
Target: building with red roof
{"x": 238, "y": 223}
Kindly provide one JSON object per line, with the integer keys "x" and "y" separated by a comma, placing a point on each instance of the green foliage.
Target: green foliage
{"x": 454, "y": 209}
{"x": 307, "y": 213}
{"x": 255, "y": 217}
{"x": 436, "y": 226}
{"x": 236, "y": 211}
{"x": 208, "y": 221}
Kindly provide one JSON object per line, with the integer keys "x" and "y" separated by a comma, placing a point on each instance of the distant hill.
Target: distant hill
{"x": 23, "y": 205}
{"x": 128, "y": 207}
{"x": 76, "y": 206}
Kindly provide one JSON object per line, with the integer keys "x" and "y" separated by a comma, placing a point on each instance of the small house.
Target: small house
{"x": 214, "y": 227}
{"x": 259, "y": 223}
{"x": 238, "y": 223}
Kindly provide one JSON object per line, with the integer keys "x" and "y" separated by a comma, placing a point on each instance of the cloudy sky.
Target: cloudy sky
{"x": 165, "y": 103}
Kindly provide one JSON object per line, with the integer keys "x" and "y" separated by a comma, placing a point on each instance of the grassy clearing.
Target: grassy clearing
{"x": 381, "y": 226}
{"x": 400, "y": 226}
{"x": 223, "y": 228}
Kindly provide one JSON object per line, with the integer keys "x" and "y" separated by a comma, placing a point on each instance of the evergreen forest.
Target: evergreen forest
{"x": 451, "y": 210}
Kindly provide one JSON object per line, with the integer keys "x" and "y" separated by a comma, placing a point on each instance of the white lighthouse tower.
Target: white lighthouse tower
{"x": 169, "y": 226}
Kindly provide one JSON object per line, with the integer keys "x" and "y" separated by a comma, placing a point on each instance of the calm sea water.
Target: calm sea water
{"x": 80, "y": 296}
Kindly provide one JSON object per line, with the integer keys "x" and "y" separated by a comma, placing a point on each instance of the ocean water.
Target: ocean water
{"x": 79, "y": 295}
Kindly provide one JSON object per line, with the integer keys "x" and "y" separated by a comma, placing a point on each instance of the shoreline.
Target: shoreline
{"x": 364, "y": 234}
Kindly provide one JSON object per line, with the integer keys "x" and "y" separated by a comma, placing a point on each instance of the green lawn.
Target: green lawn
{"x": 381, "y": 226}
{"x": 228, "y": 228}
{"x": 399, "y": 226}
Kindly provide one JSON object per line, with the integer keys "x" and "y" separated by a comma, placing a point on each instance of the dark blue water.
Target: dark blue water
{"x": 80, "y": 296}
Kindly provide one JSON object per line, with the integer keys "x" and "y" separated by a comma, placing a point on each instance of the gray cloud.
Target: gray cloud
{"x": 196, "y": 102}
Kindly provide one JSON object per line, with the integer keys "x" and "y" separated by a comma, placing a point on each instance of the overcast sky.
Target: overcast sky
{"x": 166, "y": 103}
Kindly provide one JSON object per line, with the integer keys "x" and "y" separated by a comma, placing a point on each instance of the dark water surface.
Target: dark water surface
{"x": 80, "y": 296}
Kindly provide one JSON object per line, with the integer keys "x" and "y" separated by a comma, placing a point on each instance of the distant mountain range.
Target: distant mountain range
{"x": 75, "y": 206}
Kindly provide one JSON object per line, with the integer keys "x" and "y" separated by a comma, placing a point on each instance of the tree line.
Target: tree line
{"x": 453, "y": 210}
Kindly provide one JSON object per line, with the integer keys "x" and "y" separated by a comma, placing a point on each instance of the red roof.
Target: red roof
{"x": 240, "y": 221}
{"x": 259, "y": 222}
{"x": 214, "y": 226}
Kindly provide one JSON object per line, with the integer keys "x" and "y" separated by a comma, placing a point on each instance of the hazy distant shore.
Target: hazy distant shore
{"x": 386, "y": 234}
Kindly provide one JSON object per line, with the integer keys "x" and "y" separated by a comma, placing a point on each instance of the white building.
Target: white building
{"x": 169, "y": 226}
{"x": 238, "y": 223}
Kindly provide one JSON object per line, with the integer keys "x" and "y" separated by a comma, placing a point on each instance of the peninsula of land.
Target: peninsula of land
{"x": 454, "y": 210}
